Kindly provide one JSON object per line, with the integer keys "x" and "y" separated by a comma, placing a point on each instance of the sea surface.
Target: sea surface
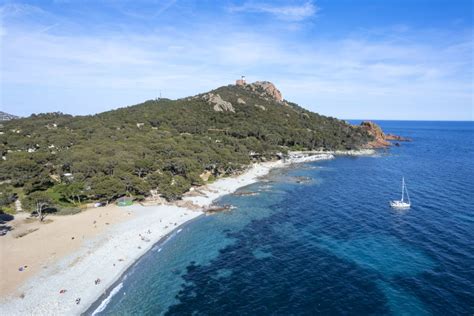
{"x": 320, "y": 238}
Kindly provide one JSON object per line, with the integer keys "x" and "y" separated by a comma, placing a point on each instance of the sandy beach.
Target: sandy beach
{"x": 80, "y": 256}
{"x": 103, "y": 256}
{"x": 38, "y": 245}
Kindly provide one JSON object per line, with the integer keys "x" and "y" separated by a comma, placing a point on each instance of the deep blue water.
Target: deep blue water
{"x": 329, "y": 246}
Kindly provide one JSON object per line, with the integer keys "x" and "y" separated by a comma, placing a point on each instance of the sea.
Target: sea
{"x": 321, "y": 239}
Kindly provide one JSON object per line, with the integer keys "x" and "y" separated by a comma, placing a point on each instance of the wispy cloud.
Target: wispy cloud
{"x": 19, "y": 9}
{"x": 358, "y": 74}
{"x": 162, "y": 6}
{"x": 284, "y": 12}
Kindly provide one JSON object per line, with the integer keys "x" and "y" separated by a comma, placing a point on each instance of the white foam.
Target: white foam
{"x": 107, "y": 300}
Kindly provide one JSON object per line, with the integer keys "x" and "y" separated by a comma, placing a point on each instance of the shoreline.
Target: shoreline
{"x": 108, "y": 294}
{"x": 73, "y": 272}
{"x": 295, "y": 158}
{"x": 104, "y": 257}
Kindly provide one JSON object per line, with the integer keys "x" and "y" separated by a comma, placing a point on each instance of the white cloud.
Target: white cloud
{"x": 283, "y": 12}
{"x": 349, "y": 76}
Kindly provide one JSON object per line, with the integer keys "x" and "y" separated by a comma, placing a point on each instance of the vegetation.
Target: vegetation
{"x": 39, "y": 202}
{"x": 162, "y": 145}
{"x": 7, "y": 197}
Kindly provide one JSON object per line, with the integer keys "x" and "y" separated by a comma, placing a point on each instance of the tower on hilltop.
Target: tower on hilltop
{"x": 241, "y": 81}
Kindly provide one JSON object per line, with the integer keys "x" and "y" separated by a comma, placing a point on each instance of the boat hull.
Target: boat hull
{"x": 399, "y": 204}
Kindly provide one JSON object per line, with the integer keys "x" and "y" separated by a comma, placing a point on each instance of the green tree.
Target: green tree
{"x": 175, "y": 189}
{"x": 38, "y": 202}
{"x": 107, "y": 187}
{"x": 7, "y": 195}
{"x": 38, "y": 182}
{"x": 72, "y": 192}
{"x": 143, "y": 167}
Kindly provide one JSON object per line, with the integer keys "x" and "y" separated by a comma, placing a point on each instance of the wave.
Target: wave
{"x": 107, "y": 300}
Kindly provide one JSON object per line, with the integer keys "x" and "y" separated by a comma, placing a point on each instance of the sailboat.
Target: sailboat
{"x": 402, "y": 204}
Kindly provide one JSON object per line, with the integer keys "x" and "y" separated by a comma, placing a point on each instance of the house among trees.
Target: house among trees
{"x": 68, "y": 176}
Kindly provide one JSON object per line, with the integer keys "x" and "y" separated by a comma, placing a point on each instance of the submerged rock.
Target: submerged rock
{"x": 298, "y": 179}
{"x": 397, "y": 138}
{"x": 245, "y": 193}
{"x": 218, "y": 208}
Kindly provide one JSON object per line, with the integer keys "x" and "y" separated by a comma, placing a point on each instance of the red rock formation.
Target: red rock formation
{"x": 380, "y": 139}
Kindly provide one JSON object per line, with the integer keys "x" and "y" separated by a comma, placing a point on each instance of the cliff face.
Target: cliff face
{"x": 379, "y": 136}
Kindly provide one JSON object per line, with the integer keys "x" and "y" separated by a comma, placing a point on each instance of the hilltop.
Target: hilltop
{"x": 6, "y": 117}
{"x": 162, "y": 146}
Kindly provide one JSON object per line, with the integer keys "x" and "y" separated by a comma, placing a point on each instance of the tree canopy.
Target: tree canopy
{"x": 161, "y": 144}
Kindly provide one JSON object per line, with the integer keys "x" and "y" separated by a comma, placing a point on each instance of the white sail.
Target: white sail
{"x": 408, "y": 197}
{"x": 403, "y": 187}
{"x": 401, "y": 204}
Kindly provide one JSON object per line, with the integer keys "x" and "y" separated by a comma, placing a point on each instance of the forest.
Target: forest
{"x": 161, "y": 145}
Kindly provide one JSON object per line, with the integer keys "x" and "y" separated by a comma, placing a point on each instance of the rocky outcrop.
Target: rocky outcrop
{"x": 205, "y": 175}
{"x": 218, "y": 208}
{"x": 265, "y": 89}
{"x": 6, "y": 117}
{"x": 380, "y": 139}
{"x": 240, "y": 101}
{"x": 397, "y": 138}
{"x": 219, "y": 105}
{"x": 376, "y": 132}
{"x": 261, "y": 107}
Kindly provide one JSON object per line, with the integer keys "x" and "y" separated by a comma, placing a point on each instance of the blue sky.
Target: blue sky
{"x": 349, "y": 59}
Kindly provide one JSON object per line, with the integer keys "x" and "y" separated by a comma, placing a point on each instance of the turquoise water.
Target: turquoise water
{"x": 328, "y": 246}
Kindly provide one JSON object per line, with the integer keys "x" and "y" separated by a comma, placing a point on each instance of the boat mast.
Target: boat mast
{"x": 407, "y": 195}
{"x": 403, "y": 187}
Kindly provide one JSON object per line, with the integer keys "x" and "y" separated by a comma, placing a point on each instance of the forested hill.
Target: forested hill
{"x": 164, "y": 145}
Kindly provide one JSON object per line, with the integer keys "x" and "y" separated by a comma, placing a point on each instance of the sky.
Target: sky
{"x": 365, "y": 59}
